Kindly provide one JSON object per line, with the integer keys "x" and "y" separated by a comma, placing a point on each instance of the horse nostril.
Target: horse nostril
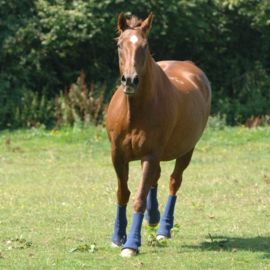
{"x": 136, "y": 80}
{"x": 123, "y": 79}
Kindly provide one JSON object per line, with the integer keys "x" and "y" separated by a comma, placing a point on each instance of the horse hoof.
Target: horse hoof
{"x": 128, "y": 252}
{"x": 161, "y": 237}
{"x": 115, "y": 245}
{"x": 153, "y": 225}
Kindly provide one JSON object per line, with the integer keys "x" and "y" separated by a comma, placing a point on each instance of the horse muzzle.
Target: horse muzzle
{"x": 129, "y": 90}
{"x": 130, "y": 83}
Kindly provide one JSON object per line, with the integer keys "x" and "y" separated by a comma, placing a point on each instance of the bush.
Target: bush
{"x": 81, "y": 106}
{"x": 217, "y": 122}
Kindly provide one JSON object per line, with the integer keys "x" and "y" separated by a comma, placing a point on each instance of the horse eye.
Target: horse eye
{"x": 119, "y": 46}
{"x": 145, "y": 46}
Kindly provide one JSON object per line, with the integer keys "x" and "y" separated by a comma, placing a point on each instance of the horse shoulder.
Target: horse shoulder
{"x": 116, "y": 114}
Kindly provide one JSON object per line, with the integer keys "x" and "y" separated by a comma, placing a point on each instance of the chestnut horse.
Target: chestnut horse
{"x": 157, "y": 114}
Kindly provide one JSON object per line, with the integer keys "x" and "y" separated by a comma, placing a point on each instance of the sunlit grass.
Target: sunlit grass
{"x": 58, "y": 191}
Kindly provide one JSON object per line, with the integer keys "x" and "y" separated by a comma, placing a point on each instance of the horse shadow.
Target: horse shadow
{"x": 233, "y": 244}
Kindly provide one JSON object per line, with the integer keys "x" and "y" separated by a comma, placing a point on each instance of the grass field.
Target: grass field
{"x": 58, "y": 193}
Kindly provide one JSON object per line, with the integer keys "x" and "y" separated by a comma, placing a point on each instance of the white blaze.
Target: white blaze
{"x": 134, "y": 39}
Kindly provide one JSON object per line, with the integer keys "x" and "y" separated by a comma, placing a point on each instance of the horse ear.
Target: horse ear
{"x": 147, "y": 23}
{"x": 122, "y": 22}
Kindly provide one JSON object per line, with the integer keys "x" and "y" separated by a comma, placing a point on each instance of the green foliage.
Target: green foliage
{"x": 45, "y": 44}
{"x": 162, "y": 242}
{"x": 33, "y": 110}
{"x": 85, "y": 248}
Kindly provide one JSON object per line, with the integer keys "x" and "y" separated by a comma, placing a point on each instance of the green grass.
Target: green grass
{"x": 58, "y": 192}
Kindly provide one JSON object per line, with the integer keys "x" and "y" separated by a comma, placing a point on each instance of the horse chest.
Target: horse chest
{"x": 133, "y": 144}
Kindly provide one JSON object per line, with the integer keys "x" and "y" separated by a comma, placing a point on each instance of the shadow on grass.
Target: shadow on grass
{"x": 231, "y": 244}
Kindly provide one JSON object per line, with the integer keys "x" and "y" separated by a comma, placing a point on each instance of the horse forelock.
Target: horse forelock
{"x": 134, "y": 22}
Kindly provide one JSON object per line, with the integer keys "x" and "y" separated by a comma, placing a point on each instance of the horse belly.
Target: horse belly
{"x": 178, "y": 146}
{"x": 186, "y": 133}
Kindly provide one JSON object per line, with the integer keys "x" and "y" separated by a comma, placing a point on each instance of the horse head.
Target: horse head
{"x": 132, "y": 50}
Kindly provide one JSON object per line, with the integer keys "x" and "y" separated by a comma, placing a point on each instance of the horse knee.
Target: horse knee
{"x": 123, "y": 196}
{"x": 139, "y": 205}
{"x": 175, "y": 183}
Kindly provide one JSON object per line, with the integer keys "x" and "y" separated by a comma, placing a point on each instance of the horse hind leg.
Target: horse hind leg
{"x": 152, "y": 214}
{"x": 166, "y": 223}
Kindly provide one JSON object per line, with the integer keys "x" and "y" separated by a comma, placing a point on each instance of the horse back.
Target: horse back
{"x": 187, "y": 78}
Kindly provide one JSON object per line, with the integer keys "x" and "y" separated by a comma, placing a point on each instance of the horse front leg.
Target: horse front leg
{"x": 119, "y": 236}
{"x": 131, "y": 247}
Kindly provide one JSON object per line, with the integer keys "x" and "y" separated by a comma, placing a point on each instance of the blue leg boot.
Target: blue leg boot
{"x": 152, "y": 214}
{"x": 166, "y": 222}
{"x": 119, "y": 237}
{"x": 131, "y": 247}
